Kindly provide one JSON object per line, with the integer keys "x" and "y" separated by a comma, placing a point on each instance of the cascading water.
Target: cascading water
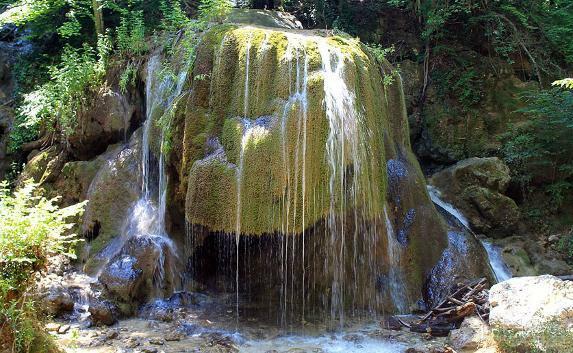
{"x": 244, "y": 140}
{"x": 395, "y": 275}
{"x": 146, "y": 219}
{"x": 297, "y": 102}
{"x": 500, "y": 269}
{"x": 288, "y": 210}
{"x": 350, "y": 183}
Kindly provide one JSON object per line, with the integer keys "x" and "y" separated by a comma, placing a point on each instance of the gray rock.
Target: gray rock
{"x": 55, "y": 300}
{"x": 129, "y": 276}
{"x": 533, "y": 313}
{"x": 472, "y": 335}
{"x": 476, "y": 187}
{"x": 102, "y": 312}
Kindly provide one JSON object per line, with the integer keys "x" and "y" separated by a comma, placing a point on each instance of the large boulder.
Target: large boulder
{"x": 44, "y": 166}
{"x": 474, "y": 335}
{"x": 532, "y": 314}
{"x": 308, "y": 146}
{"x": 476, "y": 187}
{"x": 111, "y": 194}
{"x": 110, "y": 118}
{"x": 141, "y": 270}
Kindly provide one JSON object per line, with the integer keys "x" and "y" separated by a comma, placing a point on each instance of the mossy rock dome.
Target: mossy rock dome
{"x": 288, "y": 133}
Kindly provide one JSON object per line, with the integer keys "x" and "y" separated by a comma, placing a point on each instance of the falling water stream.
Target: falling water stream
{"x": 146, "y": 219}
{"x": 500, "y": 269}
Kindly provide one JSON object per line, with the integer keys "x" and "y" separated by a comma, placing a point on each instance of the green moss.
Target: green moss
{"x": 272, "y": 197}
{"x": 550, "y": 337}
{"x": 37, "y": 168}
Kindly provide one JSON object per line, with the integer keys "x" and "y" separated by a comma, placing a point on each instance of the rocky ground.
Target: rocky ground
{"x": 142, "y": 335}
{"x": 527, "y": 314}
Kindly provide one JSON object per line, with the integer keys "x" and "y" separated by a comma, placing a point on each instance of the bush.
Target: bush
{"x": 56, "y": 104}
{"x": 542, "y": 146}
{"x": 214, "y": 10}
{"x": 32, "y": 229}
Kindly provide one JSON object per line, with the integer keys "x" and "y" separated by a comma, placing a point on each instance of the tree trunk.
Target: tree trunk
{"x": 98, "y": 17}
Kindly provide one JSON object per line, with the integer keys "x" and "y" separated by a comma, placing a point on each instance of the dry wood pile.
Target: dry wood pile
{"x": 464, "y": 300}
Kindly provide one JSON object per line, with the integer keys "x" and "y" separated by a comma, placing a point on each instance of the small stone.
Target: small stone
{"x": 53, "y": 327}
{"x": 173, "y": 336}
{"x": 148, "y": 350}
{"x": 64, "y": 329}
{"x": 112, "y": 335}
{"x": 157, "y": 341}
{"x": 554, "y": 238}
{"x": 132, "y": 342}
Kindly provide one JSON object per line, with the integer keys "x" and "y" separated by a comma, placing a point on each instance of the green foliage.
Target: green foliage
{"x": 173, "y": 16}
{"x": 131, "y": 35}
{"x": 56, "y": 104}
{"x": 128, "y": 77}
{"x": 542, "y": 146}
{"x": 214, "y": 10}
{"x": 461, "y": 83}
{"x": 565, "y": 83}
{"x": 32, "y": 229}
{"x": 379, "y": 52}
{"x": 565, "y": 245}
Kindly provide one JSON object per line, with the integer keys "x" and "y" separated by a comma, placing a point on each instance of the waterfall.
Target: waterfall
{"x": 500, "y": 269}
{"x": 302, "y": 155}
{"x": 147, "y": 215}
{"x": 344, "y": 148}
{"x": 297, "y": 101}
{"x": 395, "y": 276}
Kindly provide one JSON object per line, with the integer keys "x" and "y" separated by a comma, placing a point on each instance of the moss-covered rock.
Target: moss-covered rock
{"x": 476, "y": 187}
{"x": 264, "y": 18}
{"x": 111, "y": 194}
{"x": 467, "y": 107}
{"x": 293, "y": 137}
{"x": 497, "y": 215}
{"x": 45, "y": 166}
{"x": 109, "y": 117}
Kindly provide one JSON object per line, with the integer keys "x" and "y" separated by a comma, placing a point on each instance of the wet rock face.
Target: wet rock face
{"x": 103, "y": 313}
{"x": 137, "y": 272}
{"x": 476, "y": 187}
{"x": 111, "y": 194}
{"x": 529, "y": 313}
{"x": 111, "y": 118}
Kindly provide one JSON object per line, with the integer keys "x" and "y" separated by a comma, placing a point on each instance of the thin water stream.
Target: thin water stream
{"x": 500, "y": 269}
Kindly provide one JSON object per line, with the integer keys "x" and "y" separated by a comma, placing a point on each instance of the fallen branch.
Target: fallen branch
{"x": 465, "y": 300}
